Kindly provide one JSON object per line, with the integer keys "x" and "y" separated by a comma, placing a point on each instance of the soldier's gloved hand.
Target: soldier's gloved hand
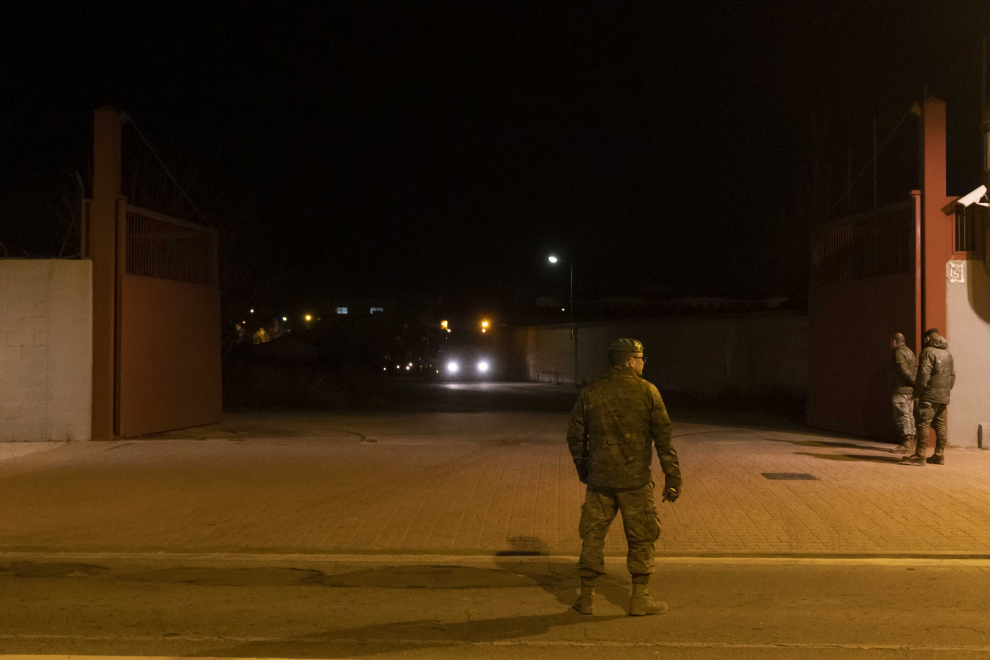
{"x": 671, "y": 492}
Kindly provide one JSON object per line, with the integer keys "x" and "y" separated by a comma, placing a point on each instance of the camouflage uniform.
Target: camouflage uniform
{"x": 900, "y": 381}
{"x": 613, "y": 425}
{"x": 936, "y": 377}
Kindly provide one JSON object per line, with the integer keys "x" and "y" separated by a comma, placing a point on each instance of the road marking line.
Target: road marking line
{"x": 948, "y": 560}
{"x": 495, "y": 643}
{"x": 132, "y": 657}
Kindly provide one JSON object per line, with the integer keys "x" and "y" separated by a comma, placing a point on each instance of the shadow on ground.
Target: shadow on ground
{"x": 852, "y": 457}
{"x": 833, "y": 445}
{"x": 405, "y": 636}
{"x": 558, "y": 580}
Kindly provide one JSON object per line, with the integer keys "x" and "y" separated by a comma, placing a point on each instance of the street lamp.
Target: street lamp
{"x": 552, "y": 259}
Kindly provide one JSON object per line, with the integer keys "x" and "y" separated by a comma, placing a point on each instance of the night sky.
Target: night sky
{"x": 394, "y": 148}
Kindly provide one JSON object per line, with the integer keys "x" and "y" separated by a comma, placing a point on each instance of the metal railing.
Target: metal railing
{"x": 873, "y": 244}
{"x": 171, "y": 249}
{"x": 969, "y": 221}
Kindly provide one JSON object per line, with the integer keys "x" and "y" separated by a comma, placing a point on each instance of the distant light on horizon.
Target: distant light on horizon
{"x": 553, "y": 259}
{"x": 483, "y": 366}
{"x": 285, "y": 318}
{"x": 309, "y": 317}
{"x": 452, "y": 367}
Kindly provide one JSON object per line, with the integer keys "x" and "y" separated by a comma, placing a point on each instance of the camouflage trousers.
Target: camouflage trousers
{"x": 903, "y": 406}
{"x": 639, "y": 519}
{"x": 930, "y": 415}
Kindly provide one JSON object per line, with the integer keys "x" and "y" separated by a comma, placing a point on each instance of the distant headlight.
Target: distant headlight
{"x": 452, "y": 367}
{"x": 483, "y": 366}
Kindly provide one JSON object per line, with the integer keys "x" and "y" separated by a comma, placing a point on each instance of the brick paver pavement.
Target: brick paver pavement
{"x": 490, "y": 483}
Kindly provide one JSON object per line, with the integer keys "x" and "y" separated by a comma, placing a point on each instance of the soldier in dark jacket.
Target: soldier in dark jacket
{"x": 616, "y": 422}
{"x": 936, "y": 377}
{"x": 900, "y": 380}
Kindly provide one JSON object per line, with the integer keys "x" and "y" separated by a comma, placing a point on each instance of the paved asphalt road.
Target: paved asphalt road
{"x": 434, "y": 607}
{"x": 408, "y": 606}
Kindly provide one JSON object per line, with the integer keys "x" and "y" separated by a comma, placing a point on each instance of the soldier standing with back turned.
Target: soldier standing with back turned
{"x": 616, "y": 421}
{"x": 936, "y": 377}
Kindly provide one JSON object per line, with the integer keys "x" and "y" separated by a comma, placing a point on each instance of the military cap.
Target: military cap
{"x": 623, "y": 349}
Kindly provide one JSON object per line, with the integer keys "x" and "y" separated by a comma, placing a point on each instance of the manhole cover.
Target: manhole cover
{"x": 790, "y": 476}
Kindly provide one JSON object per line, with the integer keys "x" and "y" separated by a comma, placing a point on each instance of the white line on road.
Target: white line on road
{"x": 948, "y": 560}
{"x": 454, "y": 643}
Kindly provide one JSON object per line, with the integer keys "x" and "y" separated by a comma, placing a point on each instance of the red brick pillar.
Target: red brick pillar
{"x": 103, "y": 252}
{"x": 935, "y": 236}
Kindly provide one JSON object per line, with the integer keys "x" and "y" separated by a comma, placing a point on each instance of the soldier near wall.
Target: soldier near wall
{"x": 936, "y": 377}
{"x": 901, "y": 372}
{"x": 615, "y": 424}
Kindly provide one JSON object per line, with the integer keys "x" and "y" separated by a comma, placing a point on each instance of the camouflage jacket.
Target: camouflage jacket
{"x": 614, "y": 423}
{"x": 901, "y": 371}
{"x": 936, "y": 373}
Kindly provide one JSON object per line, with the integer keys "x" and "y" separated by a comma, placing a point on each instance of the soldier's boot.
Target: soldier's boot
{"x": 918, "y": 457}
{"x": 914, "y": 459}
{"x": 586, "y": 601}
{"x": 938, "y": 458}
{"x": 906, "y": 446}
{"x": 642, "y": 604}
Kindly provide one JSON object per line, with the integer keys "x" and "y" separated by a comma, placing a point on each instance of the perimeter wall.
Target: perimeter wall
{"x": 46, "y": 363}
{"x": 751, "y": 356}
{"x": 969, "y": 336}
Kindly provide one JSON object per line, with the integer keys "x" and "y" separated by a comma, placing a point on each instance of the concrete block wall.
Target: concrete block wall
{"x": 46, "y": 321}
{"x": 755, "y": 356}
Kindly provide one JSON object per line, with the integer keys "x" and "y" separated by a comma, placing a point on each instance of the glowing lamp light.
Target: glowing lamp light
{"x": 443, "y": 324}
{"x": 553, "y": 259}
{"x": 483, "y": 366}
{"x": 309, "y": 317}
{"x": 452, "y": 367}
{"x": 252, "y": 311}
{"x": 285, "y": 318}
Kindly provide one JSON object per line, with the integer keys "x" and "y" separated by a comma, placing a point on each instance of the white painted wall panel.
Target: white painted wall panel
{"x": 46, "y": 364}
{"x": 968, "y": 320}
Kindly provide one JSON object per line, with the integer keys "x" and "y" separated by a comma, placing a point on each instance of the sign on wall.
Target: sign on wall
{"x": 955, "y": 271}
